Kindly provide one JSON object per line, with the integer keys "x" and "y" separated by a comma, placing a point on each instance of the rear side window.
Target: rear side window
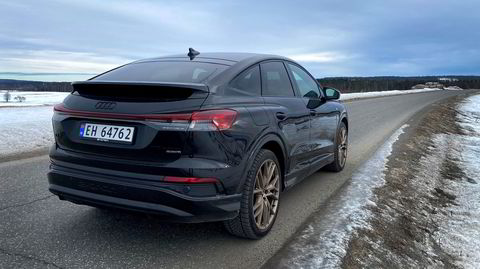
{"x": 183, "y": 72}
{"x": 306, "y": 85}
{"x": 248, "y": 82}
{"x": 275, "y": 80}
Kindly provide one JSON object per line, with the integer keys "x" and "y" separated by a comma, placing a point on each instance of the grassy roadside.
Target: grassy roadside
{"x": 405, "y": 218}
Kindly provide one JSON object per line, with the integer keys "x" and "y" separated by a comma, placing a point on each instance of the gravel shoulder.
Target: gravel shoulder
{"x": 407, "y": 228}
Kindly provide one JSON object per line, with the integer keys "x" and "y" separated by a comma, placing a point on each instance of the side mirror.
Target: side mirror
{"x": 315, "y": 102}
{"x": 331, "y": 93}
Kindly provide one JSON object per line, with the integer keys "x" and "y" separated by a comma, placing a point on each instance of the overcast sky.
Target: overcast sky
{"x": 331, "y": 38}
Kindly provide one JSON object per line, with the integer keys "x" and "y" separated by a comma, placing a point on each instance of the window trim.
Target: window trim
{"x": 288, "y": 76}
{"x": 320, "y": 88}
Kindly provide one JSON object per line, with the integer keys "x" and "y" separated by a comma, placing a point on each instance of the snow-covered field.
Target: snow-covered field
{"x": 26, "y": 126}
{"x": 33, "y": 98}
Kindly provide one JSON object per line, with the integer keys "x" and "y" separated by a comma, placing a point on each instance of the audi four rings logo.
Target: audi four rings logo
{"x": 106, "y": 105}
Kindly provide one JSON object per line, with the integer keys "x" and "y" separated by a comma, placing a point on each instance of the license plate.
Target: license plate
{"x": 107, "y": 133}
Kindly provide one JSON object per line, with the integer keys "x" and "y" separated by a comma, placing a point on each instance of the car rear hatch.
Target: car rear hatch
{"x": 156, "y": 115}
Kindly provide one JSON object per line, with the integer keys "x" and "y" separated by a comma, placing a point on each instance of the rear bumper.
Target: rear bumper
{"x": 136, "y": 193}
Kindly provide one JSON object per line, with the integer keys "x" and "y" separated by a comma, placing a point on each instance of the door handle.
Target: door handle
{"x": 313, "y": 112}
{"x": 281, "y": 115}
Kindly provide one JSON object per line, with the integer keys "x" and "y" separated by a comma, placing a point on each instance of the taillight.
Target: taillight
{"x": 185, "y": 117}
{"x": 221, "y": 119}
{"x": 189, "y": 180}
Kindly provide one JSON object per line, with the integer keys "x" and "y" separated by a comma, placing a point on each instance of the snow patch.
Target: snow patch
{"x": 459, "y": 233}
{"x": 360, "y": 95}
{"x": 454, "y": 88}
{"x": 469, "y": 115}
{"x": 24, "y": 129}
{"x": 324, "y": 242}
{"x": 458, "y": 223}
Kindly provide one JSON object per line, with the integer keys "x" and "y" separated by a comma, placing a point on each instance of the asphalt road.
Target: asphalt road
{"x": 37, "y": 230}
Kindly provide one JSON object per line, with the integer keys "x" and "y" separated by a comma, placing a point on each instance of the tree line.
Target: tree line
{"x": 368, "y": 84}
{"x": 41, "y": 86}
{"x": 344, "y": 84}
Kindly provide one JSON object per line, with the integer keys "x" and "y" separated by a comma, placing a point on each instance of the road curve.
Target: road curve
{"x": 38, "y": 230}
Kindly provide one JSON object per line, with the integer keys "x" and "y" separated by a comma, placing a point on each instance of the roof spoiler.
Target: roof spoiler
{"x": 139, "y": 90}
{"x": 193, "y": 86}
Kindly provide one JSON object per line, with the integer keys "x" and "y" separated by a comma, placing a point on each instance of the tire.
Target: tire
{"x": 265, "y": 198}
{"x": 341, "y": 150}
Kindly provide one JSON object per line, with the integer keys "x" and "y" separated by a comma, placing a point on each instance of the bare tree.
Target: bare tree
{"x": 20, "y": 98}
{"x": 7, "y": 96}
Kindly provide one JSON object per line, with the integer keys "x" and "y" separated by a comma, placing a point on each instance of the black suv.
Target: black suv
{"x": 197, "y": 137}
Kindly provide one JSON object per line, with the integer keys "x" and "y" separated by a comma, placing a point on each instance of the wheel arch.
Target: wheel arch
{"x": 344, "y": 120}
{"x": 275, "y": 147}
{"x": 273, "y": 143}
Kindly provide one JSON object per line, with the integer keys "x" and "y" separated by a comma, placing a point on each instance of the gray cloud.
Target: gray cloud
{"x": 331, "y": 38}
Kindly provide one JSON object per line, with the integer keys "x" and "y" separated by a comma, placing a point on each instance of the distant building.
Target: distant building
{"x": 448, "y": 79}
{"x": 419, "y": 86}
{"x": 437, "y": 85}
{"x": 431, "y": 85}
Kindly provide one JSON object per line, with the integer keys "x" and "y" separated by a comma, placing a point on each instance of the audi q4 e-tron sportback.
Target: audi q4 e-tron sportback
{"x": 196, "y": 138}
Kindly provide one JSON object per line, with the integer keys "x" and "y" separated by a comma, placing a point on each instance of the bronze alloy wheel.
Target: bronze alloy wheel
{"x": 261, "y": 197}
{"x": 266, "y": 194}
{"x": 342, "y": 147}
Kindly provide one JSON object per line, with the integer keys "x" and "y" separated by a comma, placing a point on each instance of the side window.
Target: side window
{"x": 248, "y": 82}
{"x": 306, "y": 85}
{"x": 275, "y": 80}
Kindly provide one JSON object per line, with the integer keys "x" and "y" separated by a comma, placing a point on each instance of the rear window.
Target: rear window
{"x": 184, "y": 72}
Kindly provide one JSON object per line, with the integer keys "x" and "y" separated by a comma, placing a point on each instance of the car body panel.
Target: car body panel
{"x": 98, "y": 173}
{"x": 294, "y": 130}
